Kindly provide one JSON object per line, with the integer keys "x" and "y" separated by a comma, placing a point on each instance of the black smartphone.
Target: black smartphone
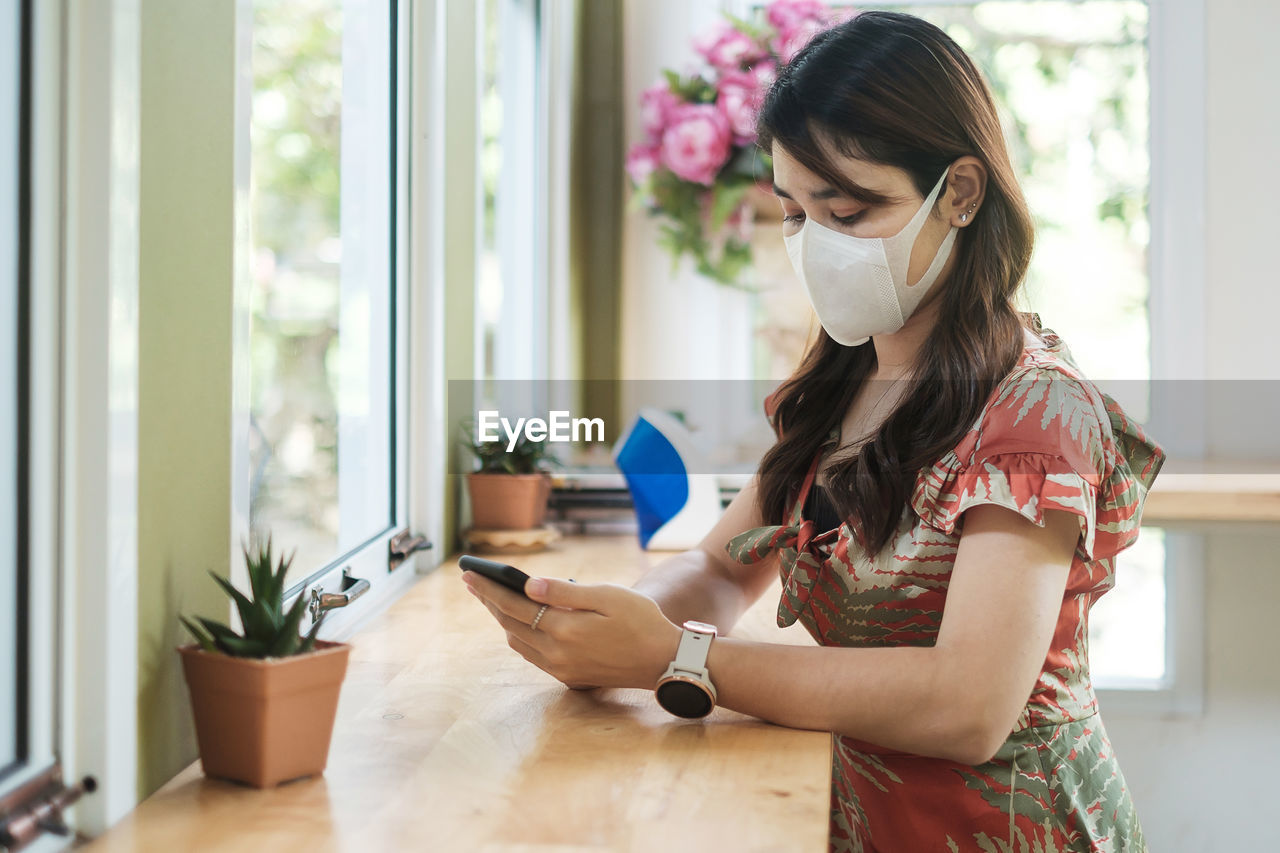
{"x": 509, "y": 576}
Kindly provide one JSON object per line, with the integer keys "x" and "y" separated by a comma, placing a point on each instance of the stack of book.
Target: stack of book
{"x": 595, "y": 501}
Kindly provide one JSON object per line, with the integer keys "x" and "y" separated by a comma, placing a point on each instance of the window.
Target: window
{"x": 29, "y": 660}
{"x": 512, "y": 287}
{"x": 13, "y": 569}
{"x": 68, "y": 310}
{"x": 325, "y": 439}
{"x": 1073, "y": 86}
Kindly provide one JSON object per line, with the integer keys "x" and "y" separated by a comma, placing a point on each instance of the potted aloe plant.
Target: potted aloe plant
{"x": 510, "y": 489}
{"x": 264, "y": 700}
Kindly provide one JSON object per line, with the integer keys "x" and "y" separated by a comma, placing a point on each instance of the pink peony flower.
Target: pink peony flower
{"x": 786, "y": 15}
{"x": 740, "y": 96}
{"x": 727, "y": 48}
{"x": 656, "y": 104}
{"x": 642, "y": 161}
{"x": 696, "y": 143}
{"x": 790, "y": 42}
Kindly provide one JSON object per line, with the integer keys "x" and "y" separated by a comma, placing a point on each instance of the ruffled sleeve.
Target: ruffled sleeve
{"x": 1048, "y": 440}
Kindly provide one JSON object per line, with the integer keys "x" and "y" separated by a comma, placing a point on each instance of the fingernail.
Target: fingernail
{"x": 538, "y": 586}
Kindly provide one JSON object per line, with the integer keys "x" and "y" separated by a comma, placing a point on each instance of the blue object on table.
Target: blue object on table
{"x": 674, "y": 508}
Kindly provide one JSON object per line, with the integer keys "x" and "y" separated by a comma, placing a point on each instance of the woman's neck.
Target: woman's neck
{"x": 896, "y": 353}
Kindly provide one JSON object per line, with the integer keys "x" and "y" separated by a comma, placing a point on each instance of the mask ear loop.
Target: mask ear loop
{"x": 927, "y": 207}
{"x": 939, "y": 260}
{"x": 897, "y": 248}
{"x": 944, "y": 250}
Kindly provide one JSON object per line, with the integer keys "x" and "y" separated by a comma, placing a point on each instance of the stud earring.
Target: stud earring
{"x": 964, "y": 217}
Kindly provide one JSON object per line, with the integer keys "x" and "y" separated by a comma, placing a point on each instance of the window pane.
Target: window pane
{"x": 489, "y": 278}
{"x": 321, "y": 339}
{"x": 1127, "y": 625}
{"x": 511, "y": 291}
{"x": 10, "y": 404}
{"x": 1070, "y": 82}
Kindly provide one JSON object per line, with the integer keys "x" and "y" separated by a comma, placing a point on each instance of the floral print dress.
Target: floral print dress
{"x": 1047, "y": 438}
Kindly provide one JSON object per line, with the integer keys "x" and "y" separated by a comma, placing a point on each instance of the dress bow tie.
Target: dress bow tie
{"x": 800, "y": 564}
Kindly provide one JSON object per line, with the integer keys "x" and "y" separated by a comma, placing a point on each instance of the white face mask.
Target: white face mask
{"x": 858, "y": 285}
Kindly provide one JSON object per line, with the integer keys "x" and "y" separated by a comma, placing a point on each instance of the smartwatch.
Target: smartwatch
{"x": 685, "y": 689}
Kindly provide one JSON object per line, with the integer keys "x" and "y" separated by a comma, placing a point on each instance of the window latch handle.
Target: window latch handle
{"x": 38, "y": 806}
{"x": 402, "y": 546}
{"x": 351, "y": 589}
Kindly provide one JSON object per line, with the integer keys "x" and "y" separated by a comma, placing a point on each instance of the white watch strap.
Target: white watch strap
{"x": 691, "y": 656}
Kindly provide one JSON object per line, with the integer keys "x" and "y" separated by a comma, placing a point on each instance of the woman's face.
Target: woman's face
{"x": 804, "y": 195}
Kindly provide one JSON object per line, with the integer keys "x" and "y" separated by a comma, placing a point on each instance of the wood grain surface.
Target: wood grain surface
{"x": 448, "y": 740}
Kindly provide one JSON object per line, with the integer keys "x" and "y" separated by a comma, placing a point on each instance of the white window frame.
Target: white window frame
{"x": 423, "y": 114}
{"x": 536, "y": 41}
{"x": 83, "y": 405}
{"x": 1177, "y": 202}
{"x": 521, "y": 351}
{"x": 34, "y": 720}
{"x": 100, "y": 400}
{"x": 1176, "y": 311}
{"x": 418, "y": 304}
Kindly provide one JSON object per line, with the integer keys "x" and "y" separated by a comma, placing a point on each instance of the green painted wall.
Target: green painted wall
{"x": 185, "y": 291}
{"x": 597, "y": 199}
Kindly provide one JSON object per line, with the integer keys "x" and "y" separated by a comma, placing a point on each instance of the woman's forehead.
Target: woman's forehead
{"x": 797, "y": 181}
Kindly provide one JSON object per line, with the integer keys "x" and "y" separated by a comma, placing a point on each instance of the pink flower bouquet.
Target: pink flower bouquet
{"x": 698, "y": 161}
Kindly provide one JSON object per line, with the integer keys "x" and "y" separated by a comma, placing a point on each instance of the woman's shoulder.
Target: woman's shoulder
{"x": 1045, "y": 357}
{"x": 1044, "y": 405}
{"x": 1047, "y": 437}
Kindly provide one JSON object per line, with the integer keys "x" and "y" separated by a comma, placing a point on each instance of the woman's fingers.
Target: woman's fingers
{"x": 512, "y": 624}
{"x": 589, "y": 635}
{"x": 506, "y": 601}
{"x": 599, "y": 597}
{"x": 529, "y": 653}
{"x": 516, "y": 634}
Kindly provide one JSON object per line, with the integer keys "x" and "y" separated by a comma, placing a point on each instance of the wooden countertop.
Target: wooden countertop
{"x": 448, "y": 740}
{"x": 1213, "y": 495}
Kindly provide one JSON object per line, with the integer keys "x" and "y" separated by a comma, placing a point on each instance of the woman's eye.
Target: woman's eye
{"x": 794, "y": 217}
{"x": 850, "y": 219}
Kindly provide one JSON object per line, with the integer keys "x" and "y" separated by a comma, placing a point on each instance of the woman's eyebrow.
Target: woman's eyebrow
{"x": 827, "y": 193}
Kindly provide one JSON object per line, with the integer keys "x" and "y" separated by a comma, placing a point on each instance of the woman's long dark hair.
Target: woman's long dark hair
{"x": 896, "y": 90}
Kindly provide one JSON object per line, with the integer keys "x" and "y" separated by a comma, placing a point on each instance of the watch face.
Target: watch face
{"x": 684, "y": 697}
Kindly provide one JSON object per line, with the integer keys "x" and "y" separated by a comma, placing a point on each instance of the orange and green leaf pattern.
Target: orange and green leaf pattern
{"x": 1048, "y": 438}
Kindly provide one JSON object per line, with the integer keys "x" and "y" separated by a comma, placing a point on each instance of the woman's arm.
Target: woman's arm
{"x": 704, "y": 583}
{"x": 958, "y": 699}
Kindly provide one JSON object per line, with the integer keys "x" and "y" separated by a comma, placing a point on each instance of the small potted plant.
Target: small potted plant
{"x": 264, "y": 700}
{"x": 510, "y": 489}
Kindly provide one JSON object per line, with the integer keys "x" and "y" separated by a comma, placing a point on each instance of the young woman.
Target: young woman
{"x": 945, "y": 499}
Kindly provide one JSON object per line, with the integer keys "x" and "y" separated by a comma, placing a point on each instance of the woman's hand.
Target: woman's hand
{"x": 592, "y": 635}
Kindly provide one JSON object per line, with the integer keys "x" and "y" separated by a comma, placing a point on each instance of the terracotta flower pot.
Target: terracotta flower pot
{"x": 508, "y": 501}
{"x": 263, "y": 722}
